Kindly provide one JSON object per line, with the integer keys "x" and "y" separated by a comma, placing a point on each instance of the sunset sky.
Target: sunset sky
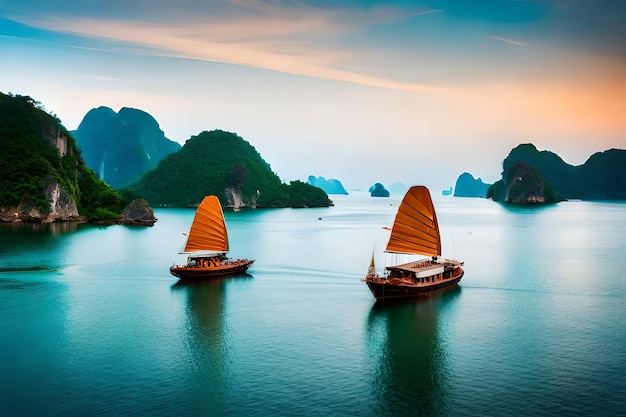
{"x": 362, "y": 91}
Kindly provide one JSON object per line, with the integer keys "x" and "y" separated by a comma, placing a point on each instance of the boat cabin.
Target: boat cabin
{"x": 424, "y": 271}
{"x": 421, "y": 271}
{"x": 206, "y": 261}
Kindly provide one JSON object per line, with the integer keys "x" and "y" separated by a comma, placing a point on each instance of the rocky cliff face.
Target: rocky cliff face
{"x": 236, "y": 200}
{"x": 62, "y": 207}
{"x": 52, "y": 133}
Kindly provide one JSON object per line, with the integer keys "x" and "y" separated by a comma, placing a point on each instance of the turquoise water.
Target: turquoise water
{"x": 91, "y": 322}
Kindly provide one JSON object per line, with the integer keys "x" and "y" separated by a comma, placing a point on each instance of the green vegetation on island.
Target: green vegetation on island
{"x": 522, "y": 183}
{"x": 42, "y": 173}
{"x": 223, "y": 164}
{"x": 601, "y": 177}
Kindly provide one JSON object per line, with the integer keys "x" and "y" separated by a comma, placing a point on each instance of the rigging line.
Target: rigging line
{"x": 453, "y": 245}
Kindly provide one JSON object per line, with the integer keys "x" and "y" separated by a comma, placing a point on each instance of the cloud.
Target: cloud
{"x": 387, "y": 47}
{"x": 109, "y": 79}
{"x": 507, "y": 40}
{"x": 294, "y": 38}
{"x": 424, "y": 11}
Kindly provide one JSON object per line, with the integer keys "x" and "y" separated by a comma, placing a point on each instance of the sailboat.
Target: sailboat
{"x": 207, "y": 245}
{"x": 415, "y": 231}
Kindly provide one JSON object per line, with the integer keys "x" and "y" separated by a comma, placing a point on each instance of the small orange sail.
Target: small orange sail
{"x": 208, "y": 230}
{"x": 415, "y": 229}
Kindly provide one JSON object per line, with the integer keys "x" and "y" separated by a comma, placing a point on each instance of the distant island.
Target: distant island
{"x": 397, "y": 188}
{"x": 468, "y": 186}
{"x": 447, "y": 192}
{"x": 330, "y": 186}
{"x": 223, "y": 164}
{"x": 533, "y": 176}
{"x": 378, "y": 190}
{"x": 121, "y": 147}
{"x": 43, "y": 177}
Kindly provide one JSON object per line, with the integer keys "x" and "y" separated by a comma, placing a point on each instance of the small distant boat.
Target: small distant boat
{"x": 415, "y": 232}
{"x": 207, "y": 245}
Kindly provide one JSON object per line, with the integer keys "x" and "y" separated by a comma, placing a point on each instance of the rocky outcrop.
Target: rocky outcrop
{"x": 236, "y": 201}
{"x": 138, "y": 212}
{"x": 62, "y": 207}
{"x": 468, "y": 186}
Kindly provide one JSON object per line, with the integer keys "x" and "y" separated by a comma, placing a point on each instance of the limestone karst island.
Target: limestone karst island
{"x": 46, "y": 176}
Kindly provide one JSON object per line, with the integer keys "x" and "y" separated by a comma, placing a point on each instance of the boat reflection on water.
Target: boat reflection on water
{"x": 207, "y": 338}
{"x": 205, "y": 299}
{"x": 410, "y": 363}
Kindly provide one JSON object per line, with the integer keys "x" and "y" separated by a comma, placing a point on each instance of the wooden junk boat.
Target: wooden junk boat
{"x": 415, "y": 231}
{"x": 207, "y": 245}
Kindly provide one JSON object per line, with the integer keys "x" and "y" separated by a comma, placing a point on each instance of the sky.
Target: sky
{"x": 416, "y": 92}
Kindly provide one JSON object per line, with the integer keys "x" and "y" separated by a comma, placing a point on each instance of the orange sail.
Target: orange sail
{"x": 208, "y": 231}
{"x": 415, "y": 229}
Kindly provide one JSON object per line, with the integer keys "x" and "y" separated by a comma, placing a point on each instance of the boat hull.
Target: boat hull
{"x": 387, "y": 290}
{"x": 194, "y": 272}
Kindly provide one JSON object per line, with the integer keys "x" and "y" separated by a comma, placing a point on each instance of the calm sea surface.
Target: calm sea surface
{"x": 92, "y": 323}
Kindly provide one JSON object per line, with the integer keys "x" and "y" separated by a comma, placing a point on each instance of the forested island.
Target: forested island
{"x": 531, "y": 176}
{"x": 223, "y": 164}
{"x": 43, "y": 176}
